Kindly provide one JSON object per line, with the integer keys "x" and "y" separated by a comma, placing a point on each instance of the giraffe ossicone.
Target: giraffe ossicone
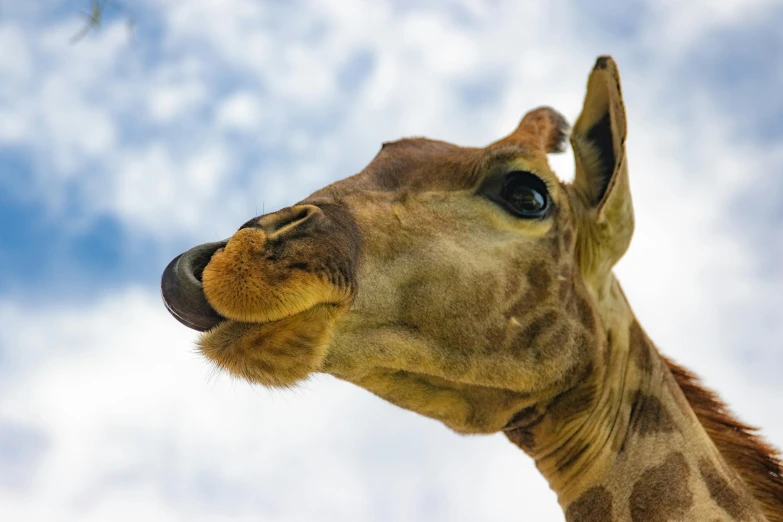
{"x": 472, "y": 286}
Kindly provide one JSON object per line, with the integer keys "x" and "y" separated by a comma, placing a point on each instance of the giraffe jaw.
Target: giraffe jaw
{"x": 273, "y": 349}
{"x": 274, "y": 353}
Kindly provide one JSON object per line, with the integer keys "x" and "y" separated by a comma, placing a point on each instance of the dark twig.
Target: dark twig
{"x": 95, "y": 16}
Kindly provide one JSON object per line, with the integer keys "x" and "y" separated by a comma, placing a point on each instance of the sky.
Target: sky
{"x": 123, "y": 150}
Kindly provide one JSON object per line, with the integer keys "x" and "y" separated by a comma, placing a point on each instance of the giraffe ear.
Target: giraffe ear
{"x": 601, "y": 178}
{"x": 544, "y": 129}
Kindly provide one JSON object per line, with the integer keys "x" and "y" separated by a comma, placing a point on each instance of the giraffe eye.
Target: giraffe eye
{"x": 525, "y": 194}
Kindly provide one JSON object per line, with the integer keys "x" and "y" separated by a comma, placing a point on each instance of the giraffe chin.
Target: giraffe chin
{"x": 273, "y": 353}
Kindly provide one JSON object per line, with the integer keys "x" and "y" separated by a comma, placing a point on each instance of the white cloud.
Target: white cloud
{"x": 240, "y": 111}
{"x": 98, "y": 108}
{"x": 161, "y": 189}
{"x": 169, "y": 101}
{"x": 682, "y": 25}
{"x": 130, "y": 425}
{"x": 294, "y": 74}
{"x": 135, "y": 423}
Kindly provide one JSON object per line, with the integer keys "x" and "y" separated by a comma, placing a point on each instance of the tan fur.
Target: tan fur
{"x": 744, "y": 450}
{"x": 415, "y": 280}
{"x": 242, "y": 285}
{"x": 275, "y": 353}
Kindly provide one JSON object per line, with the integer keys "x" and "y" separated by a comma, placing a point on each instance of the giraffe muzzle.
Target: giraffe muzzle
{"x": 182, "y": 291}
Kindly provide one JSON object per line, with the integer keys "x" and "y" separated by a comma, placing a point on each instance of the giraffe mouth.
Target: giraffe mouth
{"x": 273, "y": 267}
{"x": 275, "y": 352}
{"x": 183, "y": 292}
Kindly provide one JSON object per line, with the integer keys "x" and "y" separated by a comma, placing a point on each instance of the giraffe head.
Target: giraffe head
{"x": 456, "y": 282}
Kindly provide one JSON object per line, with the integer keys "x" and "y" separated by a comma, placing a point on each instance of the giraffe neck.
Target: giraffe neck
{"x": 624, "y": 444}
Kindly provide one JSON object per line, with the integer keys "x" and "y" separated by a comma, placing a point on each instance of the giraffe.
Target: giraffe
{"x": 472, "y": 286}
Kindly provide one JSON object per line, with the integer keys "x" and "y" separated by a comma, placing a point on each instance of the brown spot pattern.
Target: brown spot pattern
{"x": 640, "y": 348}
{"x": 649, "y": 415}
{"x": 573, "y": 402}
{"x": 585, "y": 312}
{"x": 594, "y": 505}
{"x": 539, "y": 280}
{"x": 523, "y": 438}
{"x": 757, "y": 463}
{"x": 526, "y": 418}
{"x": 662, "y": 493}
{"x": 536, "y": 328}
{"x": 568, "y": 236}
{"x": 721, "y": 491}
{"x": 519, "y": 429}
{"x": 572, "y": 456}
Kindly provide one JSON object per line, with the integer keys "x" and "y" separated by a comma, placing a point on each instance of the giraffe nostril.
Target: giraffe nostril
{"x": 284, "y": 219}
{"x": 253, "y": 223}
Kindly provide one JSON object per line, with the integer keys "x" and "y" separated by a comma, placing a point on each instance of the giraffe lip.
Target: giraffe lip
{"x": 182, "y": 292}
